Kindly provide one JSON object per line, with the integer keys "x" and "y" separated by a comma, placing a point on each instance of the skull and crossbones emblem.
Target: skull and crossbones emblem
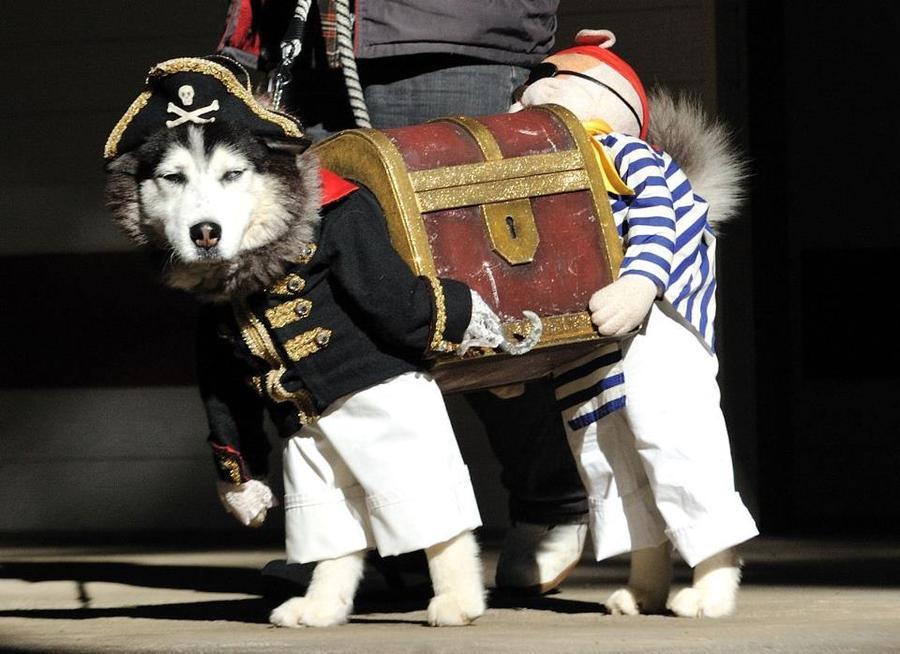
{"x": 186, "y": 95}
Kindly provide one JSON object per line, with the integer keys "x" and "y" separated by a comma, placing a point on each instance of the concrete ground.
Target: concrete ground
{"x": 798, "y": 596}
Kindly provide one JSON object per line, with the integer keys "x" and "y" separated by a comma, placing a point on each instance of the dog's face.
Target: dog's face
{"x": 205, "y": 193}
{"x": 226, "y": 206}
{"x": 200, "y": 194}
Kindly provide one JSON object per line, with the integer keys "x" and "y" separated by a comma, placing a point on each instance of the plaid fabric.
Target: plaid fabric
{"x": 329, "y": 32}
{"x": 254, "y": 28}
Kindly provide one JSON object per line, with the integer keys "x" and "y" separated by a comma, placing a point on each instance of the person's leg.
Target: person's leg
{"x": 414, "y": 89}
{"x": 527, "y": 437}
{"x": 548, "y": 508}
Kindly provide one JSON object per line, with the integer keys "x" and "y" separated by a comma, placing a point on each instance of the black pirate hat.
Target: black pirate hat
{"x": 199, "y": 90}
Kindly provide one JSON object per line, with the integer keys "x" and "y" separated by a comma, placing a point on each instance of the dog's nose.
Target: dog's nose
{"x": 206, "y": 234}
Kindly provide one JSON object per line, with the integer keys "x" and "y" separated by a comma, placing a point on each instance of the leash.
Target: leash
{"x": 290, "y": 50}
{"x": 293, "y": 42}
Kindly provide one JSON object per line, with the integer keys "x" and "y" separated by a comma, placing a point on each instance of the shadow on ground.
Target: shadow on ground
{"x": 238, "y": 610}
{"x": 392, "y": 586}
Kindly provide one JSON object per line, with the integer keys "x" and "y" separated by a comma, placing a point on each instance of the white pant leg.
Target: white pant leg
{"x": 680, "y": 435}
{"x": 389, "y": 474}
{"x": 324, "y": 505}
{"x": 622, "y": 514}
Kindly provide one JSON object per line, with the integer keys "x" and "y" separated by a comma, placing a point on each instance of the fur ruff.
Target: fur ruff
{"x": 286, "y": 219}
{"x": 705, "y": 150}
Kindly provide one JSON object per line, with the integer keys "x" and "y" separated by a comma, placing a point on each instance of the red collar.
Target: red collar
{"x": 334, "y": 187}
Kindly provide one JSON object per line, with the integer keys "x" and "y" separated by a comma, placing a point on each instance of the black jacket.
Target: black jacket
{"x": 349, "y": 314}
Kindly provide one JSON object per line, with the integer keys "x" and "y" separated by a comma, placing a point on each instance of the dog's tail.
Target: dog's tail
{"x": 705, "y": 150}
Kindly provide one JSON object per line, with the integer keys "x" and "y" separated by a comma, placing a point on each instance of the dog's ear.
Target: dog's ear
{"x": 122, "y": 195}
{"x": 125, "y": 164}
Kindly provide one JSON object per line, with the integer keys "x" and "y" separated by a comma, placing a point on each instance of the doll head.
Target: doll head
{"x": 591, "y": 82}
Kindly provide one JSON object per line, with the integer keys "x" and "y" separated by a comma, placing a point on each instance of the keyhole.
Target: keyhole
{"x": 511, "y": 224}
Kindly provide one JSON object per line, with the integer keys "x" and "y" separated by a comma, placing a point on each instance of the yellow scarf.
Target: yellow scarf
{"x": 611, "y": 179}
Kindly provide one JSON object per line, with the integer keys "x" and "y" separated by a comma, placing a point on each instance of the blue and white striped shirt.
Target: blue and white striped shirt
{"x": 668, "y": 239}
{"x": 665, "y": 230}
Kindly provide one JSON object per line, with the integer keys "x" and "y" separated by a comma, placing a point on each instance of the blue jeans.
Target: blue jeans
{"x": 415, "y": 89}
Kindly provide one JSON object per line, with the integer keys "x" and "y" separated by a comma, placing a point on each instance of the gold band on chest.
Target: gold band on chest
{"x": 302, "y": 345}
{"x": 288, "y": 312}
{"x": 260, "y": 344}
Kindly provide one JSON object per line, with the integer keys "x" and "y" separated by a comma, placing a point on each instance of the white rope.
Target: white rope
{"x": 344, "y": 42}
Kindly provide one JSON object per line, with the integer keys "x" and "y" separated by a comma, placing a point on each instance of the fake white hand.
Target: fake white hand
{"x": 620, "y": 307}
{"x": 248, "y": 502}
{"x": 485, "y": 328}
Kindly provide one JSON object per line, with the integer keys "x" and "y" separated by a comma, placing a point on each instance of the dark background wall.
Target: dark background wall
{"x": 100, "y": 429}
{"x": 826, "y": 237}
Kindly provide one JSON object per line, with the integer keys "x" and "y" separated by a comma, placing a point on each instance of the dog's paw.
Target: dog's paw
{"x": 714, "y": 591}
{"x": 452, "y": 610}
{"x": 702, "y": 603}
{"x": 309, "y": 612}
{"x": 289, "y": 613}
{"x": 634, "y": 601}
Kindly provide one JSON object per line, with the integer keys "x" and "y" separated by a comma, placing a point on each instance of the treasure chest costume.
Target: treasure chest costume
{"x": 516, "y": 206}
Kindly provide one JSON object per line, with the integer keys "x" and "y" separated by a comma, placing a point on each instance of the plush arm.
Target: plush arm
{"x": 484, "y": 330}
{"x": 649, "y": 241}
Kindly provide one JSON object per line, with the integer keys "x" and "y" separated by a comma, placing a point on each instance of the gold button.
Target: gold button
{"x": 302, "y": 310}
{"x": 322, "y": 339}
{"x": 295, "y": 284}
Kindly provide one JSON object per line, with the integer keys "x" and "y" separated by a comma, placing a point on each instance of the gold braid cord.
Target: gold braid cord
{"x": 260, "y": 344}
{"x": 438, "y": 344}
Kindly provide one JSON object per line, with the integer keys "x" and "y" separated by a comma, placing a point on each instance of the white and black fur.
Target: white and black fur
{"x": 265, "y": 202}
{"x": 704, "y": 148}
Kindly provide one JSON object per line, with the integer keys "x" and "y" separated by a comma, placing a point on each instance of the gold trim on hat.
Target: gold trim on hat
{"x": 205, "y": 67}
{"x": 109, "y": 150}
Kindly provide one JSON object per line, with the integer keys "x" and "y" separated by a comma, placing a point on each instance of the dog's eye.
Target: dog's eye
{"x": 174, "y": 178}
{"x": 232, "y": 175}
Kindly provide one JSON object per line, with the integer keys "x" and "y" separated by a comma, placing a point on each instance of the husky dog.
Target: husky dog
{"x": 199, "y": 170}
